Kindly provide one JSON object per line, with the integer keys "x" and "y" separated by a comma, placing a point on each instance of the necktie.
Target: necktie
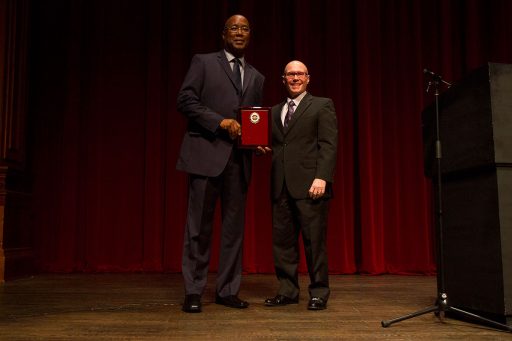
{"x": 289, "y": 114}
{"x": 238, "y": 75}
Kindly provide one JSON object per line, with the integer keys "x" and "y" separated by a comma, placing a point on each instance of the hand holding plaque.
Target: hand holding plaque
{"x": 256, "y": 127}
{"x": 231, "y": 126}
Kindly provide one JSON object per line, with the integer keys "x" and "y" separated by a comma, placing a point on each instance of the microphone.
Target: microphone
{"x": 435, "y": 76}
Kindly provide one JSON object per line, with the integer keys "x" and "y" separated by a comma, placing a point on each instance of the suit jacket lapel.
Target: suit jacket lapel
{"x": 248, "y": 75}
{"x": 277, "y": 117}
{"x": 304, "y": 104}
{"x": 226, "y": 67}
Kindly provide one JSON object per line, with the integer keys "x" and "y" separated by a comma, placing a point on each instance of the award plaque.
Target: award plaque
{"x": 256, "y": 127}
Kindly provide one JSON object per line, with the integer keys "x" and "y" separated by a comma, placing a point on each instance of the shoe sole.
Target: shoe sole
{"x": 192, "y": 311}
{"x": 280, "y": 305}
{"x": 311, "y": 308}
{"x": 231, "y": 306}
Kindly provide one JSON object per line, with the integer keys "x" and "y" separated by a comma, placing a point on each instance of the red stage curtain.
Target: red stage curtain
{"x": 105, "y": 133}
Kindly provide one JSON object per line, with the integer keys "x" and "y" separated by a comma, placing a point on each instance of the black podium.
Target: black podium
{"x": 476, "y": 171}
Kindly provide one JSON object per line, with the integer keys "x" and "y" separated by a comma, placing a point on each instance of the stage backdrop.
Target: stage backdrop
{"x": 105, "y": 132}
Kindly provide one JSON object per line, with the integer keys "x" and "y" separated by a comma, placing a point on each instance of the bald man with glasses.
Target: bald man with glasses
{"x": 304, "y": 147}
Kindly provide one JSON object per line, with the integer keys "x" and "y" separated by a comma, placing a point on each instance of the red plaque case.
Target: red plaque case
{"x": 256, "y": 127}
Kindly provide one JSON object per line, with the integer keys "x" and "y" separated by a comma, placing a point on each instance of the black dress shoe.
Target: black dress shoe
{"x": 317, "y": 303}
{"x": 192, "y": 303}
{"x": 231, "y": 301}
{"x": 280, "y": 300}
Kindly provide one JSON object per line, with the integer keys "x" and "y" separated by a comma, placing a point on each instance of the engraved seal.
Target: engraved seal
{"x": 255, "y": 117}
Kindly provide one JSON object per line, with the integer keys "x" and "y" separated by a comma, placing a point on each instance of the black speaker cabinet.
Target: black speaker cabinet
{"x": 476, "y": 171}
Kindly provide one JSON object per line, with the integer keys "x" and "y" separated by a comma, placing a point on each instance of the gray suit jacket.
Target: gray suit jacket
{"x": 207, "y": 96}
{"x": 307, "y": 150}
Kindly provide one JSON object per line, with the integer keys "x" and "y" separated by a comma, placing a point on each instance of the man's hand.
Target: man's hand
{"x": 317, "y": 189}
{"x": 232, "y": 126}
{"x": 262, "y": 150}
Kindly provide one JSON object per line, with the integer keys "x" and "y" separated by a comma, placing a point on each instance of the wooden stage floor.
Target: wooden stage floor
{"x": 148, "y": 307}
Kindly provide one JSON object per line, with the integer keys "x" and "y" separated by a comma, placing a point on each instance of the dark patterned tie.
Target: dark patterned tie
{"x": 238, "y": 75}
{"x": 289, "y": 114}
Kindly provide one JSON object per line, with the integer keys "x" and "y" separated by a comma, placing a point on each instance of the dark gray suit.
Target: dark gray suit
{"x": 305, "y": 151}
{"x": 216, "y": 169}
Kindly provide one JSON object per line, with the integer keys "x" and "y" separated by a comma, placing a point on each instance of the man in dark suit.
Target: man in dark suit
{"x": 304, "y": 146}
{"x": 216, "y": 85}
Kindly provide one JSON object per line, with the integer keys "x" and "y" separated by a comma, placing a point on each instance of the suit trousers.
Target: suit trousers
{"x": 308, "y": 217}
{"x": 204, "y": 192}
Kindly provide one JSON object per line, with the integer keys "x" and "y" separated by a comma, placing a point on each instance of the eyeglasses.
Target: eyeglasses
{"x": 235, "y": 28}
{"x": 291, "y": 75}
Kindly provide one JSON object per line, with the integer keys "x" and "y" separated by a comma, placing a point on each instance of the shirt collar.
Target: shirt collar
{"x": 297, "y": 99}
{"x": 230, "y": 58}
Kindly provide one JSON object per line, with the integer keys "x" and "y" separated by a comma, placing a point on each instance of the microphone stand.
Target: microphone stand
{"x": 441, "y": 304}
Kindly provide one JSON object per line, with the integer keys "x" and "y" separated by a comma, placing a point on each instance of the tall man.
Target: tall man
{"x": 304, "y": 144}
{"x": 216, "y": 85}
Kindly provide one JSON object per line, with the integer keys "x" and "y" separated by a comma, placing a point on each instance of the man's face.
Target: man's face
{"x": 236, "y": 35}
{"x": 295, "y": 78}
